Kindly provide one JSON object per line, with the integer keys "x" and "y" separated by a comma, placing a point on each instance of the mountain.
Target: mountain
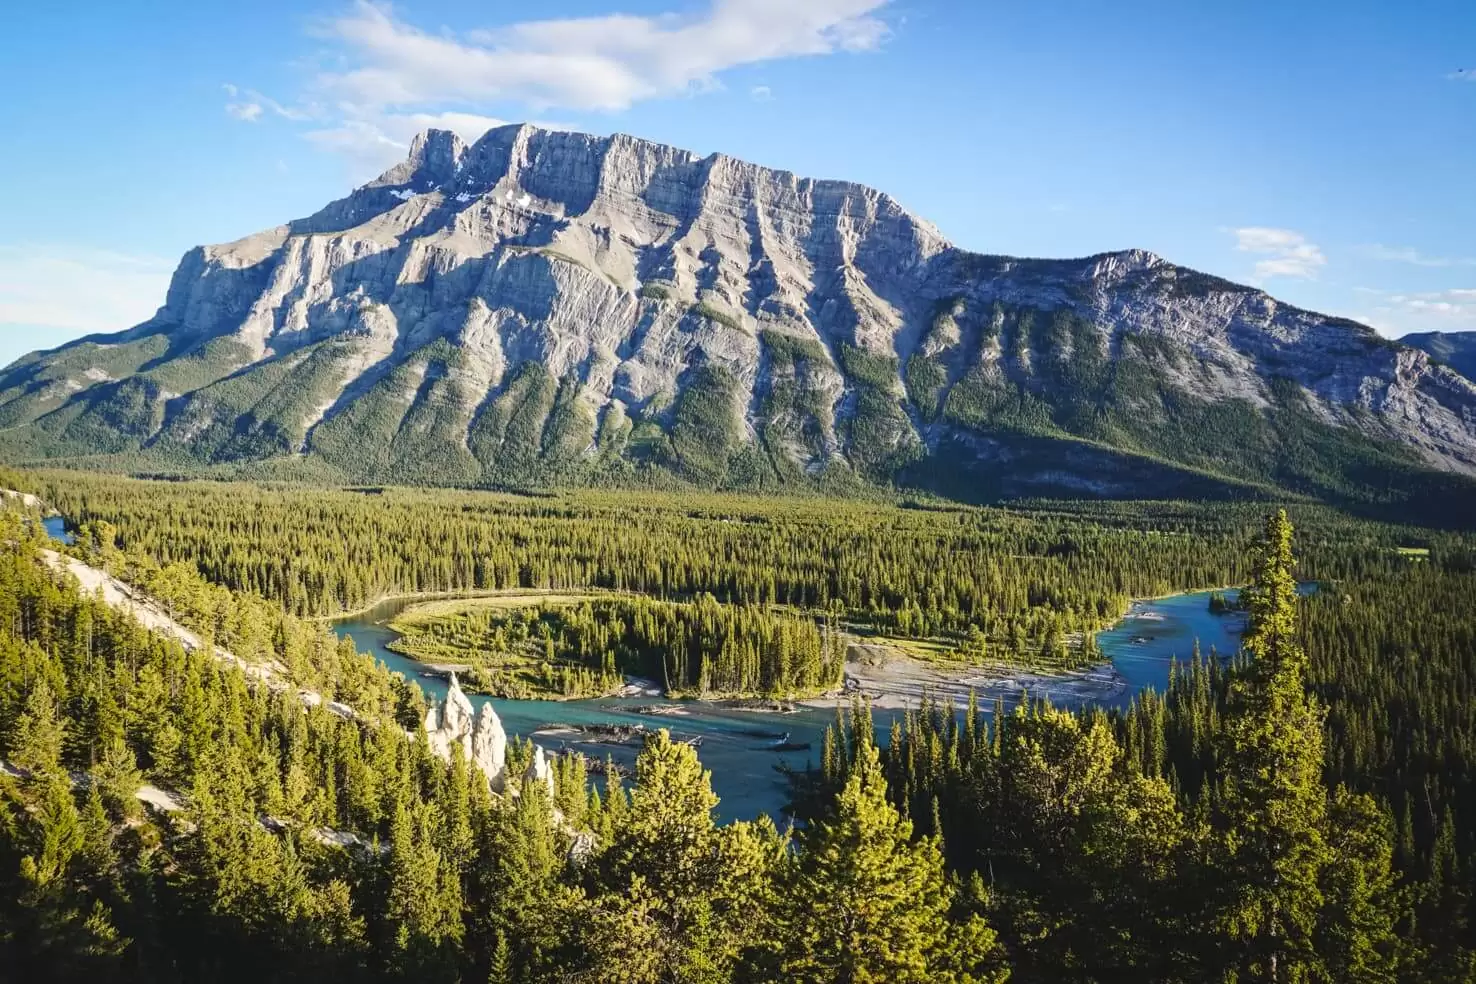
{"x": 1456, "y": 349}
{"x": 543, "y": 307}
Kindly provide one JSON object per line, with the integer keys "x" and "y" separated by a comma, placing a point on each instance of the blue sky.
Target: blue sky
{"x": 1325, "y": 151}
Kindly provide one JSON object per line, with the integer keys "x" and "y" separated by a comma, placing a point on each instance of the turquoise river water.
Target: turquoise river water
{"x": 737, "y": 745}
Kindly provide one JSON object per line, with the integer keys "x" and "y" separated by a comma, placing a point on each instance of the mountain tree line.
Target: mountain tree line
{"x": 1014, "y": 576}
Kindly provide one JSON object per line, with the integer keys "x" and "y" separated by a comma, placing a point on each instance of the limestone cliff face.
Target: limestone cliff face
{"x": 539, "y": 304}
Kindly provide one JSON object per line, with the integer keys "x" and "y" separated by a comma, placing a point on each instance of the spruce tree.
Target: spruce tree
{"x": 866, "y": 904}
{"x": 1273, "y": 808}
{"x": 117, "y": 778}
{"x": 1358, "y": 939}
{"x": 39, "y": 732}
{"x": 666, "y": 851}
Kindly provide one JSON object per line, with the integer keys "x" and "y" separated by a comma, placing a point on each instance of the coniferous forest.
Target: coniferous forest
{"x": 701, "y": 648}
{"x": 265, "y": 804}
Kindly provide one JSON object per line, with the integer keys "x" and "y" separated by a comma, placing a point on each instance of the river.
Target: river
{"x": 56, "y": 528}
{"x": 735, "y": 743}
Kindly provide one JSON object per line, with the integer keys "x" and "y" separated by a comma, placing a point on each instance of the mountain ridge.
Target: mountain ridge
{"x": 545, "y": 306}
{"x": 1456, "y": 349}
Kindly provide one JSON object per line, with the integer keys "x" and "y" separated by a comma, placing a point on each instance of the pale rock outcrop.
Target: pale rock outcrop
{"x": 452, "y": 727}
{"x": 540, "y": 770}
{"x": 489, "y": 746}
{"x": 26, "y": 499}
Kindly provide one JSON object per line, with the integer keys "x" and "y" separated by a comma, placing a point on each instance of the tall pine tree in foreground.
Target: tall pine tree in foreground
{"x": 1292, "y": 908}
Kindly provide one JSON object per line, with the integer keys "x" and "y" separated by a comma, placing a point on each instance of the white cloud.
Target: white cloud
{"x": 80, "y": 290}
{"x": 1443, "y": 310}
{"x": 358, "y": 140}
{"x": 588, "y": 63}
{"x": 1288, "y": 253}
{"x": 248, "y": 112}
{"x": 373, "y": 145}
{"x": 1463, "y": 75}
{"x": 247, "y": 105}
{"x": 1456, "y": 303}
{"x": 383, "y": 79}
{"x": 1407, "y": 254}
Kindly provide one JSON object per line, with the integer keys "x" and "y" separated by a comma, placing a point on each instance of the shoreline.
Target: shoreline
{"x": 413, "y": 598}
{"x": 900, "y": 682}
{"x": 410, "y": 596}
{"x": 1175, "y": 594}
{"x": 886, "y": 677}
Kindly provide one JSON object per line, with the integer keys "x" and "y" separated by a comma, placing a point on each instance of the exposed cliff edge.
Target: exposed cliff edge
{"x": 1456, "y": 349}
{"x": 541, "y": 306}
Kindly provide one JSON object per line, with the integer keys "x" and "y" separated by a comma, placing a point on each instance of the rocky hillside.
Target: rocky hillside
{"x": 1456, "y": 349}
{"x": 544, "y": 307}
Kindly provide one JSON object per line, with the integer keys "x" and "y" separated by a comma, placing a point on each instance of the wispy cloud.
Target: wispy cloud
{"x": 78, "y": 289}
{"x": 585, "y": 63}
{"x": 248, "y": 105}
{"x": 761, "y": 93}
{"x": 371, "y": 145}
{"x": 1408, "y": 254}
{"x": 386, "y": 78}
{"x": 1459, "y": 302}
{"x": 246, "y": 112}
{"x": 1287, "y": 253}
{"x": 1463, "y": 75}
{"x": 1396, "y": 313}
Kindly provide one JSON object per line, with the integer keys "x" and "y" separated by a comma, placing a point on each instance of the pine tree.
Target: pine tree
{"x": 425, "y": 923}
{"x": 1272, "y": 813}
{"x": 867, "y": 905}
{"x": 58, "y": 836}
{"x": 523, "y": 903}
{"x": 39, "y": 733}
{"x": 623, "y": 940}
{"x": 117, "y": 778}
{"x": 501, "y": 971}
{"x": 667, "y": 847}
{"x": 1358, "y": 940}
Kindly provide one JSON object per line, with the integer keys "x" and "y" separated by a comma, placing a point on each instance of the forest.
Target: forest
{"x": 1298, "y": 811}
{"x": 588, "y": 648}
{"x": 1016, "y": 577}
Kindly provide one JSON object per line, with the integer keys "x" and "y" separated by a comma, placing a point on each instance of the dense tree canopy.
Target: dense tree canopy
{"x": 1300, "y": 811}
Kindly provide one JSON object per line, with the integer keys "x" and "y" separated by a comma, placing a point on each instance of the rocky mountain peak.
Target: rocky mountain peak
{"x": 1121, "y": 263}
{"x": 436, "y": 155}
{"x": 549, "y": 306}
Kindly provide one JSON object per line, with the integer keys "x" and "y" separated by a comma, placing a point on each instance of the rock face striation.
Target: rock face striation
{"x": 543, "y": 306}
{"x": 453, "y": 728}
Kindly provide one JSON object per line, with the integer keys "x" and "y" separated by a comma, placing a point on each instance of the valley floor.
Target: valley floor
{"x": 892, "y": 680}
{"x": 887, "y": 675}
